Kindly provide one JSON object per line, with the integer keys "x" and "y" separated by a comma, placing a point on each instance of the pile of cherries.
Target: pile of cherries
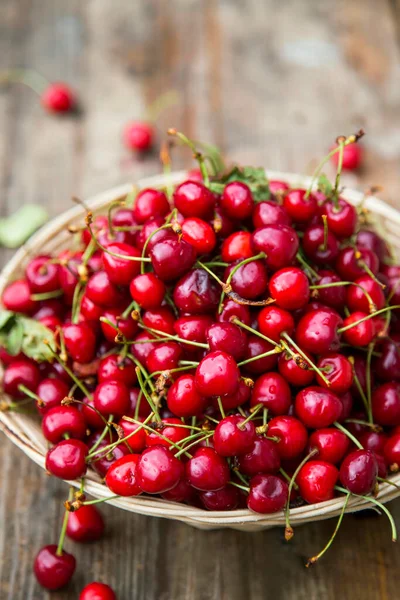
{"x": 217, "y": 349}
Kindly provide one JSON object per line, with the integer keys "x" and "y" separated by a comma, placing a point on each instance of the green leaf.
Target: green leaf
{"x": 324, "y": 185}
{"x": 19, "y": 333}
{"x": 18, "y": 227}
{"x": 254, "y": 177}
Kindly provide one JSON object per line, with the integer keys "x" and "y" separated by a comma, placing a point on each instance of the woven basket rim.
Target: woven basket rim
{"x": 22, "y": 432}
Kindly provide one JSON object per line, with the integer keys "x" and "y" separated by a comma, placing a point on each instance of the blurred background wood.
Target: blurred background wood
{"x": 271, "y": 82}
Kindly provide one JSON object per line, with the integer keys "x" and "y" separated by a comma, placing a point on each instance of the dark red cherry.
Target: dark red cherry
{"x": 349, "y": 263}
{"x": 237, "y": 200}
{"x": 182, "y": 492}
{"x": 164, "y": 357}
{"x": 318, "y": 249}
{"x": 346, "y": 400}
{"x": 101, "y": 465}
{"x": 162, "y": 319}
{"x": 372, "y": 241}
{"x": 17, "y": 297}
{"x": 193, "y": 199}
{"x": 334, "y": 296}
{"x": 150, "y": 203}
{"x": 292, "y": 436}
{"x": 360, "y": 334}
{"x": 207, "y": 471}
{"x": 392, "y": 452}
{"x": 341, "y": 217}
{"x": 337, "y": 370}
{"x": 256, "y": 346}
{"x": 386, "y": 404}
{"x": 102, "y": 291}
{"x": 270, "y": 213}
{"x": 122, "y": 476}
{"x": 217, "y": 375}
{"x": 233, "y": 436}
{"x": 171, "y": 258}
{"x": 294, "y": 373}
{"x": 66, "y": 460}
{"x": 115, "y": 367}
{"x": 21, "y": 372}
{"x": 196, "y": 293}
{"x": 170, "y": 429}
{"x": 147, "y": 290}
{"x": 199, "y": 234}
{"x": 112, "y": 398}
{"x": 357, "y": 300}
{"x": 85, "y": 524}
{"x": 272, "y": 391}
{"x": 80, "y": 342}
{"x": 183, "y": 399}
{"x": 268, "y": 494}
{"x": 316, "y": 331}
{"x": 121, "y": 271}
{"x": 332, "y": 444}
{"x": 53, "y": 571}
{"x": 193, "y": 328}
{"x": 127, "y": 326}
{"x": 123, "y": 217}
{"x": 250, "y": 280}
{"x": 232, "y": 310}
{"x": 274, "y": 321}
{"x": 142, "y": 346}
{"x": 92, "y": 418}
{"x": 136, "y": 441}
{"x": 237, "y": 247}
{"x": 158, "y": 470}
{"x": 279, "y": 242}
{"x": 374, "y": 441}
{"x": 387, "y": 365}
{"x": 241, "y": 396}
{"x": 51, "y": 393}
{"x": 62, "y": 421}
{"x": 316, "y": 481}
{"x": 225, "y": 499}
{"x": 96, "y": 590}
{"x": 317, "y": 407}
{"x": 228, "y": 338}
{"x": 262, "y": 458}
{"x": 299, "y": 206}
{"x": 358, "y": 472}
{"x": 289, "y": 287}
{"x": 152, "y": 233}
{"x": 42, "y": 275}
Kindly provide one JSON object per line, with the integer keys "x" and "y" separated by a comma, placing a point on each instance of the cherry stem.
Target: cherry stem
{"x": 240, "y": 487}
{"x": 375, "y": 314}
{"x": 377, "y": 503}
{"x": 133, "y": 306}
{"x": 220, "y": 406}
{"x": 217, "y": 279}
{"x": 339, "y": 170}
{"x": 349, "y": 435}
{"x": 196, "y": 154}
{"x": 196, "y": 440}
{"x": 74, "y": 378}
{"x": 102, "y": 436}
{"x": 356, "y": 380}
{"x": 288, "y": 529}
{"x": 254, "y": 331}
{"x": 47, "y": 295}
{"x": 114, "y": 204}
{"x": 382, "y": 480}
{"x": 232, "y": 273}
{"x": 172, "y": 337}
{"x": 29, "y": 393}
{"x": 314, "y": 559}
{"x": 340, "y": 284}
{"x": 63, "y": 532}
{"x": 375, "y": 428}
{"x": 368, "y": 380}
{"x": 276, "y": 350}
{"x": 163, "y": 437}
{"x": 307, "y": 359}
{"x": 115, "y": 254}
{"x": 142, "y": 369}
{"x": 306, "y": 266}
{"x": 146, "y": 395}
{"x": 241, "y": 476}
{"x": 287, "y": 477}
{"x": 98, "y": 500}
{"x": 251, "y": 416}
{"x": 166, "y": 226}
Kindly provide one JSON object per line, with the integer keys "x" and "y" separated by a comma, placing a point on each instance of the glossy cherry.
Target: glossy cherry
{"x": 334, "y": 296}
{"x": 360, "y": 334}
{"x": 316, "y": 331}
{"x": 358, "y": 300}
{"x": 207, "y": 470}
{"x": 196, "y": 293}
{"x": 272, "y": 391}
{"x": 332, "y": 444}
{"x": 85, "y": 524}
{"x": 317, "y": 407}
{"x": 121, "y": 271}
{"x": 358, "y": 472}
{"x": 316, "y": 481}
{"x": 62, "y": 421}
{"x": 256, "y": 346}
{"x": 147, "y": 290}
{"x": 228, "y": 338}
{"x": 237, "y": 200}
{"x": 262, "y": 458}
{"x": 352, "y": 157}
{"x": 217, "y": 375}
{"x": 58, "y": 98}
{"x": 199, "y": 234}
{"x": 279, "y": 242}
{"x": 225, "y": 499}
{"x": 320, "y": 247}
{"x": 21, "y": 372}
{"x": 122, "y": 478}
{"x": 299, "y": 206}
{"x": 337, "y": 370}
{"x": 80, "y": 342}
{"x": 115, "y": 367}
{"x": 250, "y": 280}
{"x": 237, "y": 247}
{"x": 270, "y": 213}
{"x": 97, "y": 591}
{"x": 158, "y": 470}
{"x": 51, "y": 393}
{"x": 183, "y": 399}
{"x": 294, "y": 373}
{"x": 386, "y": 404}
{"x": 164, "y": 357}
{"x": 17, "y": 297}
{"x": 350, "y": 263}
{"x": 289, "y": 287}
{"x": 112, "y": 398}
{"x": 193, "y": 199}
{"x": 341, "y": 217}
{"x": 268, "y": 494}
{"x": 274, "y": 321}
{"x": 42, "y": 275}
{"x": 53, "y": 571}
{"x": 233, "y": 436}
{"x": 171, "y": 258}
{"x": 291, "y": 433}
{"x": 66, "y": 460}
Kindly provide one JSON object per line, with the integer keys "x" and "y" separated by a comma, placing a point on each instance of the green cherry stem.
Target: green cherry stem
{"x": 254, "y": 332}
{"x": 276, "y": 350}
{"x": 146, "y": 394}
{"x": 63, "y": 532}
{"x": 375, "y": 314}
{"x": 349, "y": 435}
{"x": 314, "y": 559}
{"x": 289, "y": 529}
{"x": 306, "y": 358}
{"x": 232, "y": 273}
{"x": 101, "y": 437}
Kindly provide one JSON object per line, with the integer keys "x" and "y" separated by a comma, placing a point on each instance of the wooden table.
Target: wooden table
{"x": 273, "y": 83}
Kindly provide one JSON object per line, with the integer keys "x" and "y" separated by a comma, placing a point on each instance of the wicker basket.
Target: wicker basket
{"x": 25, "y": 431}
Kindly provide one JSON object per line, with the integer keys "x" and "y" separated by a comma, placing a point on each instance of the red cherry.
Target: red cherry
{"x": 392, "y": 452}
{"x": 196, "y": 293}
{"x": 332, "y": 444}
{"x": 127, "y": 326}
{"x": 290, "y": 288}
{"x": 66, "y": 460}
{"x": 114, "y": 367}
{"x": 372, "y": 241}
{"x": 357, "y": 300}
{"x": 358, "y": 472}
{"x": 292, "y": 436}
{"x": 316, "y": 481}
{"x": 53, "y": 571}
{"x": 270, "y": 213}
{"x": 361, "y": 334}
{"x": 172, "y": 258}
{"x": 193, "y": 199}
{"x": 207, "y": 471}
{"x": 274, "y": 321}
{"x": 228, "y": 338}
{"x": 119, "y": 270}
{"x": 80, "y": 342}
{"x": 237, "y": 247}
{"x": 199, "y": 234}
{"x": 92, "y": 418}
{"x": 294, "y": 373}
{"x": 182, "y": 492}
{"x": 61, "y": 421}
{"x": 250, "y": 280}
{"x": 334, "y": 296}
{"x": 162, "y": 319}
{"x": 138, "y": 136}
{"x": 168, "y": 430}
{"x": 350, "y": 262}
{"x": 85, "y": 524}
{"x": 272, "y": 391}
{"x": 237, "y": 200}
{"x": 136, "y": 442}
{"x": 255, "y": 347}
{"x": 193, "y": 328}
{"x": 112, "y": 398}
{"x": 387, "y": 365}
{"x": 101, "y": 291}
{"x": 17, "y": 297}
{"x": 147, "y": 290}
{"x": 232, "y": 310}
{"x": 268, "y": 494}
{"x": 241, "y": 396}
{"x": 58, "y": 97}
{"x": 262, "y": 458}
{"x": 21, "y": 372}
{"x": 122, "y": 476}
{"x": 352, "y": 156}
{"x": 337, "y": 370}
{"x": 341, "y": 217}
{"x": 316, "y": 331}
{"x": 103, "y": 464}
{"x": 317, "y": 407}
{"x": 217, "y": 375}
{"x": 225, "y": 499}
{"x": 300, "y": 206}
{"x": 279, "y": 242}
{"x": 97, "y": 591}
{"x": 164, "y": 357}
{"x": 374, "y": 441}
{"x": 233, "y": 437}
{"x": 183, "y": 399}
{"x": 150, "y": 203}
{"x": 151, "y": 234}
{"x": 320, "y": 248}
{"x": 158, "y": 470}
{"x": 42, "y": 275}
{"x": 90, "y": 310}
{"x": 386, "y": 404}
{"x": 51, "y": 393}
{"x": 142, "y": 349}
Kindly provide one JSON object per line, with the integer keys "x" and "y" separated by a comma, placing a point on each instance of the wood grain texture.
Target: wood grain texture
{"x": 272, "y": 82}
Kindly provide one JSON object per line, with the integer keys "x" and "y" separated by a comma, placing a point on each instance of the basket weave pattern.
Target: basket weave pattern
{"x": 25, "y": 431}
